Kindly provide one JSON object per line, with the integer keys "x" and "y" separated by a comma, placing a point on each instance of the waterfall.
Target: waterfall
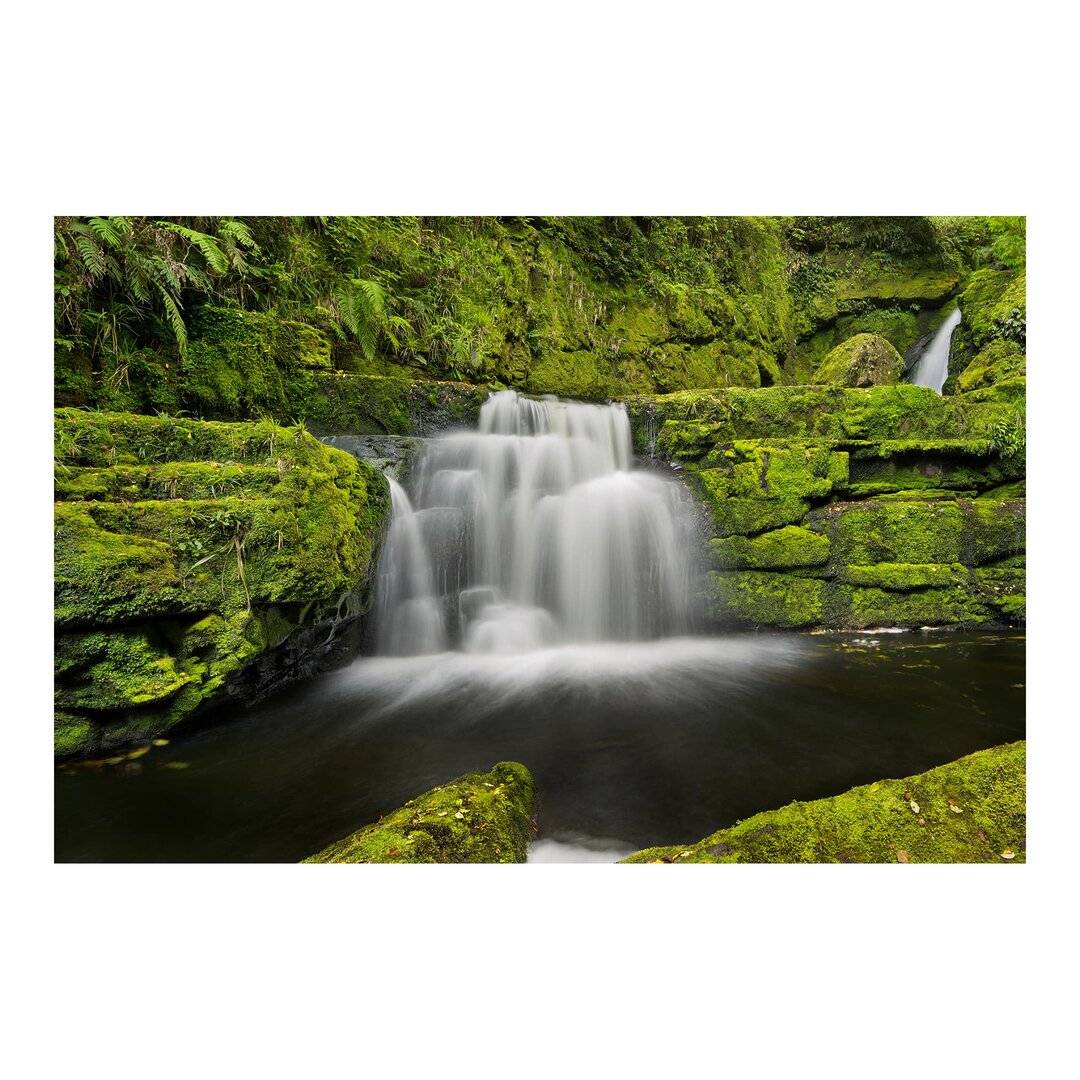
{"x": 533, "y": 531}
{"x": 932, "y": 367}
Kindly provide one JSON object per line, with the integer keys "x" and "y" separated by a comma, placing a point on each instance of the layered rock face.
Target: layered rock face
{"x": 848, "y": 508}
{"x": 191, "y": 554}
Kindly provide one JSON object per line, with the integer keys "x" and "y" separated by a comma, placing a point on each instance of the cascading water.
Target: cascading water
{"x": 932, "y": 368}
{"x": 533, "y": 531}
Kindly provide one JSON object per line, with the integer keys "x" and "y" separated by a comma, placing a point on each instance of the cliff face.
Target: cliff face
{"x": 189, "y": 554}
{"x": 888, "y": 506}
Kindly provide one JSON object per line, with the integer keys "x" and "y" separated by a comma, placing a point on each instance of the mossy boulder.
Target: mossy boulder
{"x": 861, "y": 361}
{"x": 969, "y": 811}
{"x": 763, "y": 598}
{"x": 478, "y": 818}
{"x": 972, "y": 532}
{"x": 792, "y": 546}
{"x": 184, "y": 551}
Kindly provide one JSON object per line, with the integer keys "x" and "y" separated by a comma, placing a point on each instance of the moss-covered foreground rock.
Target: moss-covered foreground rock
{"x": 189, "y": 552}
{"x": 969, "y": 811}
{"x": 478, "y": 818}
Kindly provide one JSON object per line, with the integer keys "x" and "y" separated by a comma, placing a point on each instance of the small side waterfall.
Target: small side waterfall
{"x": 533, "y": 531}
{"x": 932, "y": 368}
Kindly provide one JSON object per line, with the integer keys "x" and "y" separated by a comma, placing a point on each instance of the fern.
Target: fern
{"x": 206, "y": 244}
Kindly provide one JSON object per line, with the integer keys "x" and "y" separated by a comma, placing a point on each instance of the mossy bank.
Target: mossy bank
{"x": 191, "y": 554}
{"x": 969, "y": 811}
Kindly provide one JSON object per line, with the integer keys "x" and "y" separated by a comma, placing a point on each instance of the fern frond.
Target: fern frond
{"x": 214, "y": 256}
{"x": 93, "y": 258}
{"x": 375, "y": 293}
{"x": 238, "y": 232}
{"x": 176, "y": 321}
{"x": 105, "y": 231}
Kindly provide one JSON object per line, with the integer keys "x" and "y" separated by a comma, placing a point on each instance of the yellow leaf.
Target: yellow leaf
{"x": 914, "y": 806}
{"x": 1007, "y": 854}
{"x": 956, "y": 809}
{"x": 160, "y": 742}
{"x": 138, "y": 752}
{"x": 177, "y": 764}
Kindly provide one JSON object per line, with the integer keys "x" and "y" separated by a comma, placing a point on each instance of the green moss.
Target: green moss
{"x": 478, "y": 818}
{"x": 1004, "y": 589}
{"x": 115, "y": 670}
{"x": 904, "y": 576}
{"x": 72, "y": 735}
{"x": 999, "y": 361}
{"x": 241, "y": 363}
{"x": 969, "y": 532}
{"x": 784, "y": 548}
{"x": 863, "y": 608}
{"x": 763, "y": 599}
{"x": 180, "y": 592}
{"x": 879, "y": 823}
{"x": 862, "y": 361}
{"x": 756, "y": 470}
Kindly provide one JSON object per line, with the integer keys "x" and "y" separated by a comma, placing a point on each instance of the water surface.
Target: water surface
{"x": 631, "y": 744}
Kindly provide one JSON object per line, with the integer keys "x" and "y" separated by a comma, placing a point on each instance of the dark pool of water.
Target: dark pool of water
{"x": 630, "y": 745}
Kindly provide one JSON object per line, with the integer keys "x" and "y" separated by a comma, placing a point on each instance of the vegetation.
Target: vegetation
{"x": 478, "y": 818}
{"x": 588, "y": 307}
{"x": 186, "y": 549}
{"x": 970, "y": 811}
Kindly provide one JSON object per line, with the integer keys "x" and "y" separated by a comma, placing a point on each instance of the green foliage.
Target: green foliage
{"x": 1008, "y": 437}
{"x": 1008, "y": 245}
{"x": 121, "y": 283}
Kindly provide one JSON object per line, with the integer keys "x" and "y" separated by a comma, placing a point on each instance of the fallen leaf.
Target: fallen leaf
{"x": 1007, "y": 854}
{"x": 138, "y": 752}
{"x": 951, "y": 802}
{"x": 443, "y": 813}
{"x": 907, "y": 795}
{"x": 684, "y": 855}
{"x": 902, "y": 856}
{"x": 922, "y": 821}
{"x": 982, "y": 836}
{"x": 914, "y": 807}
{"x": 460, "y": 816}
{"x": 159, "y": 742}
{"x": 177, "y": 765}
{"x": 109, "y": 761}
{"x": 956, "y": 809}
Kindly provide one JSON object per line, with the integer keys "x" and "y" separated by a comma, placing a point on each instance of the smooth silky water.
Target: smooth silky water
{"x": 537, "y": 601}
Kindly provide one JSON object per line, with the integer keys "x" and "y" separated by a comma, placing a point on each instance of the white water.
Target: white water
{"x": 932, "y": 368}
{"x": 532, "y": 532}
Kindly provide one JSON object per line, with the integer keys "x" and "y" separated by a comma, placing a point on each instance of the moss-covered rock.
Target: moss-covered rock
{"x": 187, "y": 550}
{"x": 972, "y": 532}
{"x": 969, "y": 811}
{"x": 762, "y": 598}
{"x": 785, "y": 548}
{"x": 862, "y": 361}
{"x": 478, "y": 818}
